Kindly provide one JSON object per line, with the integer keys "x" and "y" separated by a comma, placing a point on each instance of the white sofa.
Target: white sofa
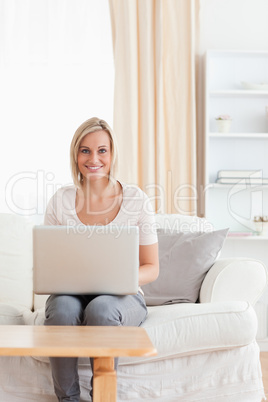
{"x": 206, "y": 351}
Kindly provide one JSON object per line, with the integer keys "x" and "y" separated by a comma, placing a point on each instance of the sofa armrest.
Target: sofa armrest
{"x": 234, "y": 279}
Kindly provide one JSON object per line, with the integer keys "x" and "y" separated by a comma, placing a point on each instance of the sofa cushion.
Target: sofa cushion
{"x": 16, "y": 284}
{"x": 10, "y": 315}
{"x": 187, "y": 329}
{"x": 184, "y": 259}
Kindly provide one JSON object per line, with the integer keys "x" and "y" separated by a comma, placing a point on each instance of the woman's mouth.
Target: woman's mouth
{"x": 93, "y": 168}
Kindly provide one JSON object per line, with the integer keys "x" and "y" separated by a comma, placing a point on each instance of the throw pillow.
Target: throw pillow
{"x": 184, "y": 260}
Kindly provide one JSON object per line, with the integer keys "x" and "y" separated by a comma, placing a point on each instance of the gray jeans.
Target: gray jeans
{"x": 87, "y": 310}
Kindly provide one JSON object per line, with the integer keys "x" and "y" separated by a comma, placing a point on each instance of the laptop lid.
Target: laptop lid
{"x": 86, "y": 259}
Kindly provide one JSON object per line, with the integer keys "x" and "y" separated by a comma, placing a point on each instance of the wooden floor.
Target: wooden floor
{"x": 264, "y": 366}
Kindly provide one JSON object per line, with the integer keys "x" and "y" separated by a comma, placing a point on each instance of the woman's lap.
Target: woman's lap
{"x": 129, "y": 310}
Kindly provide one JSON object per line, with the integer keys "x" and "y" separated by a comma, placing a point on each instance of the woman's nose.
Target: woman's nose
{"x": 94, "y": 157}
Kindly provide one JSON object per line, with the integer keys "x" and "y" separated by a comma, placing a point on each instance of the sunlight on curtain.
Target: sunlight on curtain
{"x": 154, "y": 103}
{"x": 56, "y": 70}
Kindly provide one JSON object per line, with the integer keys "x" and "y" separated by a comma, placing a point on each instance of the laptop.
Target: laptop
{"x": 86, "y": 259}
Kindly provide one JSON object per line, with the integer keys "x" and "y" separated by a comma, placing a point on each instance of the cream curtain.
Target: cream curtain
{"x": 154, "y": 99}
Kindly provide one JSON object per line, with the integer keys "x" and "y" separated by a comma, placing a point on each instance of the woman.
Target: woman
{"x": 96, "y": 198}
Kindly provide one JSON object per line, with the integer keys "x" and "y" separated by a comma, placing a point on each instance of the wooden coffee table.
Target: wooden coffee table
{"x": 100, "y": 343}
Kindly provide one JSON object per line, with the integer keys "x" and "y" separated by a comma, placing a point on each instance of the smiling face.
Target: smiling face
{"x": 94, "y": 155}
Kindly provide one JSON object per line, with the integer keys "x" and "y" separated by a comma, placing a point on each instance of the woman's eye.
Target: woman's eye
{"x": 84, "y": 151}
{"x": 102, "y": 150}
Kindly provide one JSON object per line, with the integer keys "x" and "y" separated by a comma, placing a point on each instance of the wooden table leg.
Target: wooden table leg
{"x": 104, "y": 380}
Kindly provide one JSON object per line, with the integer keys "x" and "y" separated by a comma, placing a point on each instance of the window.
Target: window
{"x": 56, "y": 64}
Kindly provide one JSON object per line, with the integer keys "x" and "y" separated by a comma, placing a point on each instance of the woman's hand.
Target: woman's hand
{"x": 149, "y": 264}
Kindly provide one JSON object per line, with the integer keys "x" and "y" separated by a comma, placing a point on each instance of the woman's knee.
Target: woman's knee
{"x": 63, "y": 310}
{"x": 103, "y": 310}
{"x": 116, "y": 310}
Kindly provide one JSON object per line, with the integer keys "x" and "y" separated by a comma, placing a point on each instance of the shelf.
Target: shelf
{"x": 238, "y": 92}
{"x": 237, "y": 185}
{"x": 243, "y": 237}
{"x": 238, "y": 135}
{"x": 234, "y": 52}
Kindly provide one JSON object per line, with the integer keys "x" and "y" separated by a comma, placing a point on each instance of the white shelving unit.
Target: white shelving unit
{"x": 237, "y": 92}
{"x": 237, "y": 135}
{"x": 245, "y": 147}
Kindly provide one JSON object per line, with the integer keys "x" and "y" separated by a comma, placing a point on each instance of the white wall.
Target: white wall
{"x": 56, "y": 71}
{"x": 233, "y": 24}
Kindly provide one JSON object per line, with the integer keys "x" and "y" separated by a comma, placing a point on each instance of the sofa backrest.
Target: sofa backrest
{"x": 16, "y": 284}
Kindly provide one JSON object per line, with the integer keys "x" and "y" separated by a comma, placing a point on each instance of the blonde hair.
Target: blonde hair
{"x": 90, "y": 126}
